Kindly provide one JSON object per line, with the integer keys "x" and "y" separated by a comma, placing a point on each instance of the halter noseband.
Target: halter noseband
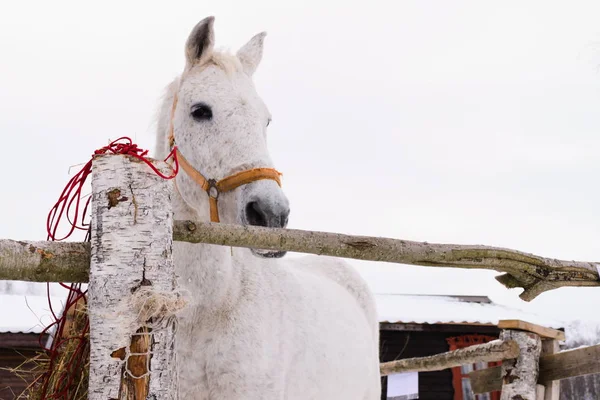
{"x": 212, "y": 187}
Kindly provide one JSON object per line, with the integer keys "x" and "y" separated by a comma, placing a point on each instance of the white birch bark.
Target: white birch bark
{"x": 520, "y": 375}
{"x": 132, "y": 234}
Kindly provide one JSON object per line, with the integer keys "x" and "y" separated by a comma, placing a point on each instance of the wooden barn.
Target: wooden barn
{"x": 15, "y": 349}
{"x": 423, "y": 325}
{"x": 24, "y": 312}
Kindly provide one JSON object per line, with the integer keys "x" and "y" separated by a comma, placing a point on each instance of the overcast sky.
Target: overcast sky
{"x": 472, "y": 122}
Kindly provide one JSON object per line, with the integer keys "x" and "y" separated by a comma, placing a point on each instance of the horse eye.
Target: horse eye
{"x": 268, "y": 121}
{"x": 201, "y": 112}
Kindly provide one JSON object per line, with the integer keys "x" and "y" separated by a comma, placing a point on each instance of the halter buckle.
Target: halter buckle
{"x": 213, "y": 190}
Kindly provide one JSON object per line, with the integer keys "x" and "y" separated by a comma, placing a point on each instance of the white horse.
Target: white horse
{"x": 258, "y": 326}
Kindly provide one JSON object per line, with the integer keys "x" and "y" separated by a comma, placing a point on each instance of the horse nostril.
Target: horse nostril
{"x": 261, "y": 214}
{"x": 254, "y": 215}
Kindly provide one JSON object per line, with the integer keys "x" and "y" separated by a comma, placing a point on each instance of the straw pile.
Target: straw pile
{"x": 62, "y": 372}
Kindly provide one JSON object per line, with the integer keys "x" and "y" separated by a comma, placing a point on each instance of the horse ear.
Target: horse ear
{"x": 251, "y": 53}
{"x": 201, "y": 42}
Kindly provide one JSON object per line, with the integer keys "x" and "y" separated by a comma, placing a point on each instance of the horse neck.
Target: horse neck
{"x": 212, "y": 274}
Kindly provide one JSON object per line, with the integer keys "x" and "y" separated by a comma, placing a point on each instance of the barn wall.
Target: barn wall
{"x": 585, "y": 387}
{"x": 396, "y": 345}
{"x": 15, "y": 349}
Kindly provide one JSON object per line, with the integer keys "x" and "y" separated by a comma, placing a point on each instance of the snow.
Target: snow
{"x": 28, "y": 314}
{"x": 426, "y": 309}
{"x": 31, "y": 288}
{"x": 24, "y": 306}
{"x": 582, "y": 333}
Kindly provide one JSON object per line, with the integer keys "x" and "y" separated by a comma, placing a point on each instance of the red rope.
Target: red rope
{"x": 69, "y": 206}
{"x": 69, "y": 201}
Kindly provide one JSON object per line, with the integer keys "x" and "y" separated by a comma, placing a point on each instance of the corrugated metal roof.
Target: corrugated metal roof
{"x": 430, "y": 309}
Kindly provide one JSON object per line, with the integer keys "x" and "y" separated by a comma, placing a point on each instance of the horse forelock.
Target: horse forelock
{"x": 226, "y": 61}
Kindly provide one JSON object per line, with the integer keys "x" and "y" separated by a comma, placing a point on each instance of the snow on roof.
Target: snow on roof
{"x": 582, "y": 333}
{"x": 429, "y": 309}
{"x": 24, "y": 306}
{"x": 27, "y": 314}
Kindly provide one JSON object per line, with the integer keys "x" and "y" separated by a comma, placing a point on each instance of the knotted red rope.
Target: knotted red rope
{"x": 69, "y": 206}
{"x": 69, "y": 202}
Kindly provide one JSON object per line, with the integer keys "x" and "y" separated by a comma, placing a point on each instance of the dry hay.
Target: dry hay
{"x": 64, "y": 376}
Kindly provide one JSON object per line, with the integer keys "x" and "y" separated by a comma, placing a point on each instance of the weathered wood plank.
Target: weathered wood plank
{"x": 552, "y": 388}
{"x": 529, "y": 327}
{"x": 486, "y": 380}
{"x": 443, "y": 327}
{"x": 540, "y": 392}
{"x": 563, "y": 365}
{"x": 566, "y": 364}
{"x": 495, "y": 350}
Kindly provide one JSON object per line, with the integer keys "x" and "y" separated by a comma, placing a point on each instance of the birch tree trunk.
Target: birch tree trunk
{"x": 496, "y": 350}
{"x": 132, "y": 234}
{"x": 533, "y": 273}
{"x": 520, "y": 375}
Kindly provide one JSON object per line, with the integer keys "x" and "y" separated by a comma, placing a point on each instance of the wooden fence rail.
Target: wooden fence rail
{"x": 563, "y": 365}
{"x": 69, "y": 262}
{"x": 523, "y": 372}
{"x": 496, "y": 350}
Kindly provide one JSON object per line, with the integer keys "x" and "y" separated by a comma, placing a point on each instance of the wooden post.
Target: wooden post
{"x": 132, "y": 234}
{"x": 520, "y": 375}
{"x": 540, "y": 392}
{"x": 552, "y": 388}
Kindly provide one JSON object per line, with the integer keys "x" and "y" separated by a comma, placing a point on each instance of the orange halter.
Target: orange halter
{"x": 213, "y": 187}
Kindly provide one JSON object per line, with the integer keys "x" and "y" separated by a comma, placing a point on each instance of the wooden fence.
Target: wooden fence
{"x": 529, "y": 354}
{"x": 129, "y": 260}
